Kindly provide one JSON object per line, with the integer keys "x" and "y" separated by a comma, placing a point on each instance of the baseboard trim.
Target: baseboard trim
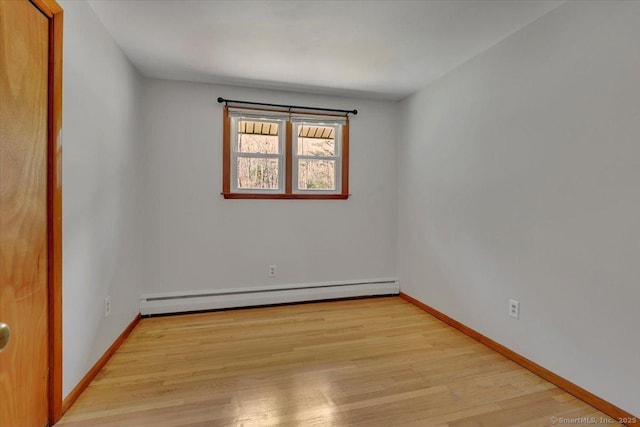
{"x": 577, "y": 391}
{"x": 86, "y": 380}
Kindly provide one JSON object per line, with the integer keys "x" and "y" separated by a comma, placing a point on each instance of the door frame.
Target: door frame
{"x": 52, "y": 10}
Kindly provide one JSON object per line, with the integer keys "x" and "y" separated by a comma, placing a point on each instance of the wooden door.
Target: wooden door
{"x": 24, "y": 213}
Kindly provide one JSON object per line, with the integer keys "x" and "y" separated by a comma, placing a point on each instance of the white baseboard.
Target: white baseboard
{"x": 178, "y": 302}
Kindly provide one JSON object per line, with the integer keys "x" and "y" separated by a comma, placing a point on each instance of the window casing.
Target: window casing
{"x": 284, "y": 155}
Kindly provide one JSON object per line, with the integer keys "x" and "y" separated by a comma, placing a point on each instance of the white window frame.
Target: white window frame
{"x": 281, "y": 156}
{"x": 337, "y": 157}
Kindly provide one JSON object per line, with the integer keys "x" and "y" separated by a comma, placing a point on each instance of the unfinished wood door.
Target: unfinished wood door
{"x": 24, "y": 361}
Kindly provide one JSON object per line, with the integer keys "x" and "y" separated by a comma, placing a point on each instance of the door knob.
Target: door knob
{"x": 5, "y": 334}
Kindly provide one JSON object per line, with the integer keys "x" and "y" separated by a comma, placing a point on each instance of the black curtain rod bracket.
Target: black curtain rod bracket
{"x": 297, "y": 107}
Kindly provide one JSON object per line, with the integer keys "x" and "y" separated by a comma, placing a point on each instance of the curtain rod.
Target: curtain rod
{"x": 298, "y": 107}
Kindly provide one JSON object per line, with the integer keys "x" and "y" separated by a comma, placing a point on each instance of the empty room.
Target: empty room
{"x": 319, "y": 213}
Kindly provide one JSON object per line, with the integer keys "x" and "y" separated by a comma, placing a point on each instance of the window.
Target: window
{"x": 317, "y": 157}
{"x": 257, "y": 155}
{"x": 283, "y": 155}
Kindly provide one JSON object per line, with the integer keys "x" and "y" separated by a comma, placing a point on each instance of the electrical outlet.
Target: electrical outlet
{"x": 272, "y": 270}
{"x": 514, "y": 309}
{"x": 107, "y": 306}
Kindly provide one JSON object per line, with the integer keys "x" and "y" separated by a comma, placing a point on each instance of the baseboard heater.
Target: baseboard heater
{"x": 179, "y": 302}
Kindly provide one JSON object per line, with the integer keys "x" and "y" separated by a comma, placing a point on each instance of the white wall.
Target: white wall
{"x": 196, "y": 240}
{"x": 520, "y": 178}
{"x": 101, "y": 163}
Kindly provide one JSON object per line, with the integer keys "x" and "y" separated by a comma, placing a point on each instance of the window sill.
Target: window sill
{"x": 286, "y": 196}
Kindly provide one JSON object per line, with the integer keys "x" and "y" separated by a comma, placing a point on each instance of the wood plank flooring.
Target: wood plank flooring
{"x": 367, "y": 362}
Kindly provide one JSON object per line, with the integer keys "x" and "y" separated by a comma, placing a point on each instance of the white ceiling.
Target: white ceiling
{"x": 378, "y": 49}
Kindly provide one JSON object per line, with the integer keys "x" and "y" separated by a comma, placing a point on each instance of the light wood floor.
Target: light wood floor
{"x": 369, "y": 362}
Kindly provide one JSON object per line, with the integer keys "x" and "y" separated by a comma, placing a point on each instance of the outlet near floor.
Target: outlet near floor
{"x": 107, "y": 306}
{"x": 514, "y": 309}
{"x": 272, "y": 270}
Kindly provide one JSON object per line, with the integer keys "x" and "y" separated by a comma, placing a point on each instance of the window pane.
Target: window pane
{"x": 316, "y": 174}
{"x": 316, "y": 141}
{"x": 257, "y": 173}
{"x": 258, "y": 137}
